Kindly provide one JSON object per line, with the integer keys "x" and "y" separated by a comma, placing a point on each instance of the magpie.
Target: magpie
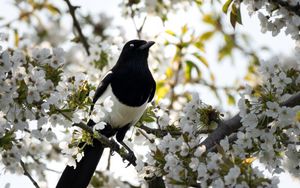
{"x": 130, "y": 86}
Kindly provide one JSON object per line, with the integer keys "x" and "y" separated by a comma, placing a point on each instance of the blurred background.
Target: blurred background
{"x": 197, "y": 50}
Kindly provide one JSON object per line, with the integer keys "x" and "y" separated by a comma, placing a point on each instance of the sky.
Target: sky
{"x": 281, "y": 45}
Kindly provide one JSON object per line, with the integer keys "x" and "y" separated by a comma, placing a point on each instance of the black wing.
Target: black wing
{"x": 101, "y": 88}
{"x": 152, "y": 91}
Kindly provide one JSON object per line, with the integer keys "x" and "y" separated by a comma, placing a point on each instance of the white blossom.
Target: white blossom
{"x": 233, "y": 174}
{"x": 99, "y": 126}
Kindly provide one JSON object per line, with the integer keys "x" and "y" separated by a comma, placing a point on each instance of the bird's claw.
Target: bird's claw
{"x": 115, "y": 147}
{"x": 130, "y": 157}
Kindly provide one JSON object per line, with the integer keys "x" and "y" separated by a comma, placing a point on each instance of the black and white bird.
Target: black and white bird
{"x": 130, "y": 86}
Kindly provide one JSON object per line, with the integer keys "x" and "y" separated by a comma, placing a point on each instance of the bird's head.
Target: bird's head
{"x": 135, "y": 51}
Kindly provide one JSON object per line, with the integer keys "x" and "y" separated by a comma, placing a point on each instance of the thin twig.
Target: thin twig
{"x": 140, "y": 29}
{"x": 146, "y": 136}
{"x": 159, "y": 132}
{"x": 163, "y": 132}
{"x": 108, "y": 161}
{"x": 26, "y": 173}
{"x": 177, "y": 69}
{"x": 77, "y": 26}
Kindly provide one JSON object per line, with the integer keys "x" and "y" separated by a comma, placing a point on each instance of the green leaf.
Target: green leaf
{"x": 184, "y": 29}
{"x": 132, "y": 2}
{"x": 235, "y": 15}
{"x": 232, "y": 19}
{"x": 212, "y": 76}
{"x": 226, "y": 6}
{"x": 161, "y": 89}
{"x": 199, "y": 2}
{"x": 102, "y": 61}
{"x": 22, "y": 92}
{"x": 220, "y": 150}
{"x": 188, "y": 70}
{"x": 171, "y": 33}
{"x": 230, "y": 99}
{"x": 208, "y": 18}
{"x": 199, "y": 44}
{"x": 207, "y": 35}
{"x": 6, "y": 141}
{"x": 76, "y": 39}
{"x": 201, "y": 59}
{"x": 54, "y": 10}
{"x": 239, "y": 17}
{"x": 148, "y": 116}
{"x": 189, "y": 67}
{"x": 16, "y": 37}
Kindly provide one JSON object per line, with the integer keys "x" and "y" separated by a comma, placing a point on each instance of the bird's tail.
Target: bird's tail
{"x": 82, "y": 174}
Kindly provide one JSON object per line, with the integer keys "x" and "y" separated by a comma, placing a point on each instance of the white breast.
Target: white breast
{"x": 121, "y": 114}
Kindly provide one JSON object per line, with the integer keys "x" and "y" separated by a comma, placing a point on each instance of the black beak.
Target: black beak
{"x": 147, "y": 45}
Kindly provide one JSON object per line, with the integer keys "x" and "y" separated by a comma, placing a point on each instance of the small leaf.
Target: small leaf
{"x": 76, "y": 39}
{"x": 199, "y": 2}
{"x": 226, "y": 6}
{"x": 230, "y": 99}
{"x": 7, "y": 140}
{"x": 169, "y": 72}
{"x": 212, "y": 76}
{"x": 239, "y": 17}
{"x": 201, "y": 59}
{"x": 184, "y": 29}
{"x": 161, "y": 90}
{"x": 188, "y": 70}
{"x": 220, "y": 150}
{"x": 232, "y": 19}
{"x": 54, "y": 10}
{"x": 199, "y": 44}
{"x": 16, "y": 37}
{"x": 208, "y": 18}
{"x": 171, "y": 33}
{"x": 189, "y": 67}
{"x": 207, "y": 35}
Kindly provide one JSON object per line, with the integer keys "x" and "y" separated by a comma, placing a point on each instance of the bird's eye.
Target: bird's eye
{"x": 131, "y": 45}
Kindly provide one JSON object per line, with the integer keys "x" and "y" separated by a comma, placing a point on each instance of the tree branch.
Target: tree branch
{"x": 76, "y": 24}
{"x": 113, "y": 145}
{"x": 225, "y": 128}
{"x": 26, "y": 173}
{"x": 163, "y": 132}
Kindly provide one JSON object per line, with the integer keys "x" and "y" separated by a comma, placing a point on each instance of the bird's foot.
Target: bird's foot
{"x": 130, "y": 157}
{"x": 115, "y": 147}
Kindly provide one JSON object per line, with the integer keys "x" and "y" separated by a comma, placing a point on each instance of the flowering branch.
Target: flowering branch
{"x": 225, "y": 128}
{"x": 291, "y": 8}
{"x": 161, "y": 132}
{"x": 77, "y": 26}
{"x": 26, "y": 173}
{"x": 113, "y": 145}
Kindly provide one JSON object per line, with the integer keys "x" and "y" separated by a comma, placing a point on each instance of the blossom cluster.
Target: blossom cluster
{"x": 27, "y": 92}
{"x": 270, "y": 129}
{"x": 103, "y": 52}
{"x": 182, "y": 160}
{"x": 276, "y": 15}
{"x": 270, "y": 134}
{"x": 38, "y": 102}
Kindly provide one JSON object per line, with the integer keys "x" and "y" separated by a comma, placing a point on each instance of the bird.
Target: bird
{"x": 131, "y": 86}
